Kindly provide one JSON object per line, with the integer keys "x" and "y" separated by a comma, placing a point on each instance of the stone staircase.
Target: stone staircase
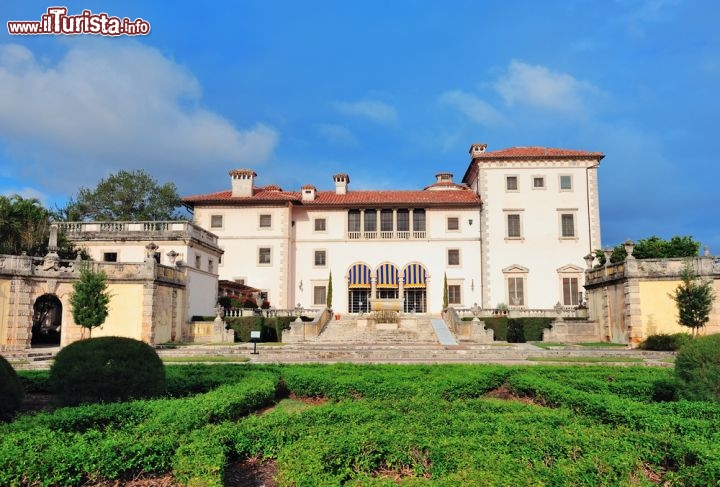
{"x": 349, "y": 331}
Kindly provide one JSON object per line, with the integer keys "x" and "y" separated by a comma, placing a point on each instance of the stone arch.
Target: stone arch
{"x": 46, "y": 321}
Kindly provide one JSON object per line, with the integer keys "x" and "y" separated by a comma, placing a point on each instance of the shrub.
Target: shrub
{"x": 11, "y": 391}
{"x": 106, "y": 369}
{"x": 665, "y": 342}
{"x": 697, "y": 367}
{"x": 665, "y": 390}
{"x": 515, "y": 331}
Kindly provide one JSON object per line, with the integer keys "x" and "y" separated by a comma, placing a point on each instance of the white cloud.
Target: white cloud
{"x": 26, "y": 193}
{"x": 108, "y": 105}
{"x": 336, "y": 133}
{"x": 376, "y": 111}
{"x": 473, "y": 107}
{"x": 539, "y": 87}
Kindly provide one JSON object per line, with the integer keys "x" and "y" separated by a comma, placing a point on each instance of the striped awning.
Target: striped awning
{"x": 359, "y": 276}
{"x": 387, "y": 276}
{"x": 415, "y": 276}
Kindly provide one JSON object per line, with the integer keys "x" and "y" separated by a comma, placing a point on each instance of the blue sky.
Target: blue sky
{"x": 390, "y": 92}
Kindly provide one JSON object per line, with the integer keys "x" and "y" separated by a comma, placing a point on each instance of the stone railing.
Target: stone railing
{"x": 564, "y": 312}
{"x": 293, "y": 312}
{"x": 301, "y": 330}
{"x": 146, "y": 229}
{"x": 702, "y": 266}
{"x": 22, "y": 265}
{"x": 387, "y": 235}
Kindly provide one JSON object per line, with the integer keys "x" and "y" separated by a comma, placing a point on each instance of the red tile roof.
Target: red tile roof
{"x": 537, "y": 152}
{"x": 463, "y": 197}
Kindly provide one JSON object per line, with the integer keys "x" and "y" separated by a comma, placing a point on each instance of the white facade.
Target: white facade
{"x": 540, "y": 218}
{"x": 515, "y": 233}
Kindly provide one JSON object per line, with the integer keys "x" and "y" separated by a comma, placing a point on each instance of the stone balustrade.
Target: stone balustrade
{"x": 167, "y": 230}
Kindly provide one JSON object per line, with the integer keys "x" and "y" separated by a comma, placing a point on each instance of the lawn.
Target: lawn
{"x": 343, "y": 424}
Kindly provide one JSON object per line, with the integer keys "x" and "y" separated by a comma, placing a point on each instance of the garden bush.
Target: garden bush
{"x": 531, "y": 328}
{"x": 697, "y": 367}
{"x": 515, "y": 331}
{"x": 270, "y": 328}
{"x": 106, "y": 369}
{"x": 665, "y": 342}
{"x": 11, "y": 391}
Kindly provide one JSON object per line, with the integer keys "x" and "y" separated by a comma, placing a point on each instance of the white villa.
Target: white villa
{"x": 515, "y": 231}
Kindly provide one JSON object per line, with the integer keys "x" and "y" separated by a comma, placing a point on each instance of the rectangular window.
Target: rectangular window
{"x": 453, "y": 223}
{"x": 516, "y": 291}
{"x": 454, "y": 294}
{"x": 320, "y": 258}
{"x": 354, "y": 221}
{"x": 565, "y": 183}
{"x": 386, "y": 221}
{"x": 539, "y": 182}
{"x": 403, "y": 220}
{"x": 264, "y": 255}
{"x": 110, "y": 257}
{"x": 511, "y": 183}
{"x": 513, "y": 226}
{"x": 567, "y": 222}
{"x": 197, "y": 262}
{"x": 370, "y": 220}
{"x": 453, "y": 257}
{"x": 319, "y": 295}
{"x": 216, "y": 221}
{"x": 265, "y": 221}
{"x": 419, "y": 220}
{"x": 211, "y": 266}
{"x": 571, "y": 295}
{"x": 320, "y": 224}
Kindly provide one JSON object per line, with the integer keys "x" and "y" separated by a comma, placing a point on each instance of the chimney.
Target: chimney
{"x": 477, "y": 149}
{"x": 242, "y": 182}
{"x": 308, "y": 192}
{"x": 443, "y": 177}
{"x": 341, "y": 183}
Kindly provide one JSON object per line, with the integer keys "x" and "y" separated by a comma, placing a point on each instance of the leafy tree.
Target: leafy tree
{"x": 654, "y": 248}
{"x": 446, "y": 300}
{"x": 328, "y": 300}
{"x": 124, "y": 196}
{"x": 25, "y": 227}
{"x": 90, "y": 299}
{"x": 694, "y": 300}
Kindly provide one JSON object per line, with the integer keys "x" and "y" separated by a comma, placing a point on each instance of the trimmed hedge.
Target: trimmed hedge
{"x": 270, "y": 328}
{"x": 106, "y": 369}
{"x": 664, "y": 342}
{"x": 524, "y": 329}
{"x": 697, "y": 367}
{"x": 11, "y": 391}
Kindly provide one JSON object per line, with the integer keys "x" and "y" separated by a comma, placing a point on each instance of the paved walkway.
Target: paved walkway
{"x": 416, "y": 353}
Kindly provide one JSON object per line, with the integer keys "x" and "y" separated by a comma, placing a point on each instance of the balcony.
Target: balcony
{"x": 387, "y": 235}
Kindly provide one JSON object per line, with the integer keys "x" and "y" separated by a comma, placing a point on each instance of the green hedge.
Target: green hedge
{"x": 665, "y": 342}
{"x": 525, "y": 329}
{"x": 11, "y": 391}
{"x": 270, "y": 328}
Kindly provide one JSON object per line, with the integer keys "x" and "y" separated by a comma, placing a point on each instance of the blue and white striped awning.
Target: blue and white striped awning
{"x": 359, "y": 276}
{"x": 387, "y": 276}
{"x": 415, "y": 276}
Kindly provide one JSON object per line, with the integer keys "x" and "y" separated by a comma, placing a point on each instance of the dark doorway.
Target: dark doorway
{"x": 47, "y": 321}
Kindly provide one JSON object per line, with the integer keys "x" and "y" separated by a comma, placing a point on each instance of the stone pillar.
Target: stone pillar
{"x": 362, "y": 223}
{"x": 373, "y": 287}
{"x": 411, "y": 223}
{"x": 401, "y": 288}
{"x": 394, "y": 222}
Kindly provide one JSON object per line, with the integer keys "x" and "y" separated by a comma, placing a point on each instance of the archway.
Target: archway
{"x": 387, "y": 281}
{"x": 415, "y": 287}
{"x": 359, "y": 284}
{"x": 47, "y": 321}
